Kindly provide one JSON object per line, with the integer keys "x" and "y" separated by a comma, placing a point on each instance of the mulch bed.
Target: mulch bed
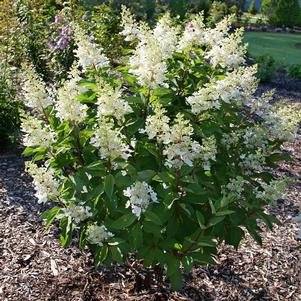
{"x": 33, "y": 266}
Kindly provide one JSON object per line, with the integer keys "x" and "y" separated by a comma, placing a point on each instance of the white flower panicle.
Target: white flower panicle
{"x": 130, "y": 27}
{"x": 78, "y": 213}
{"x": 154, "y": 47}
{"x": 88, "y": 53}
{"x": 235, "y": 186}
{"x": 140, "y": 195}
{"x": 229, "y": 52}
{"x": 208, "y": 151}
{"x": 237, "y": 86}
{"x": 109, "y": 141}
{"x": 181, "y": 148}
{"x": 97, "y": 235}
{"x": 213, "y": 36}
{"x": 156, "y": 126}
{"x": 35, "y": 92}
{"x": 194, "y": 33}
{"x": 44, "y": 181}
{"x": 36, "y": 133}
{"x": 147, "y": 63}
{"x": 111, "y": 103}
{"x": 256, "y": 138}
{"x": 203, "y": 100}
{"x": 166, "y": 35}
{"x": 273, "y": 191}
{"x": 68, "y": 108}
{"x": 253, "y": 161}
{"x": 283, "y": 122}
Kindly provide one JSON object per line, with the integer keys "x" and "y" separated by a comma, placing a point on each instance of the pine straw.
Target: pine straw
{"x": 33, "y": 266}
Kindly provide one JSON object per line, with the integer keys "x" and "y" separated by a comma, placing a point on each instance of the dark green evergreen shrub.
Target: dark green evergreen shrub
{"x": 266, "y": 68}
{"x": 9, "y": 115}
{"x": 295, "y": 71}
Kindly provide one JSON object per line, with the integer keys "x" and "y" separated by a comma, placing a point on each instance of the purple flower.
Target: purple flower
{"x": 57, "y": 19}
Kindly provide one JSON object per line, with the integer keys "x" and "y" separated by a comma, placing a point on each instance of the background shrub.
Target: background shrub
{"x": 282, "y": 12}
{"x": 266, "y": 68}
{"x": 9, "y": 114}
{"x": 294, "y": 71}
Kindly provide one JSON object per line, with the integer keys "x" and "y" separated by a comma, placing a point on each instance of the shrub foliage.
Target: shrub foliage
{"x": 162, "y": 157}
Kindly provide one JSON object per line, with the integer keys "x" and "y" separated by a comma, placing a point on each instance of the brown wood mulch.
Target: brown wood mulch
{"x": 33, "y": 266}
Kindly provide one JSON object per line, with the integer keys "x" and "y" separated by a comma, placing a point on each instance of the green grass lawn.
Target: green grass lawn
{"x": 281, "y": 46}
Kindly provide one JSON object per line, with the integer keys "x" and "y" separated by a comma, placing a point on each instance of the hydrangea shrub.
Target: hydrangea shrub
{"x": 163, "y": 157}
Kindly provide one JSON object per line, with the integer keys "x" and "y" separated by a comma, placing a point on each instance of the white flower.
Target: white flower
{"x": 235, "y": 186}
{"x": 214, "y": 36}
{"x": 44, "y": 181}
{"x": 111, "y": 103}
{"x": 208, "y": 152}
{"x": 129, "y": 25}
{"x": 237, "y": 86}
{"x": 156, "y": 126}
{"x": 68, "y": 108}
{"x": 36, "y": 133}
{"x": 109, "y": 141}
{"x": 78, "y": 213}
{"x": 180, "y": 148}
{"x": 35, "y": 94}
{"x": 140, "y": 195}
{"x": 256, "y": 137}
{"x": 166, "y": 35}
{"x": 148, "y": 64}
{"x": 273, "y": 191}
{"x": 231, "y": 139}
{"x": 283, "y": 122}
{"x": 253, "y": 161}
{"x": 194, "y": 33}
{"x": 88, "y": 53}
{"x": 202, "y": 100}
{"x": 154, "y": 47}
{"x": 96, "y": 235}
{"x": 229, "y": 52}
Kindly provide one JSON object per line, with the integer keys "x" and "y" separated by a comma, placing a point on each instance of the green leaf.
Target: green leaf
{"x": 82, "y": 237}
{"x": 109, "y": 186}
{"x": 201, "y": 219}
{"x": 101, "y": 254}
{"x": 66, "y": 228}
{"x": 152, "y": 217}
{"x": 203, "y": 258}
{"x": 268, "y": 219}
{"x": 137, "y": 237}
{"x": 195, "y": 189}
{"x": 173, "y": 272}
{"x": 135, "y": 126}
{"x": 50, "y": 215}
{"x": 146, "y": 175}
{"x": 116, "y": 254}
{"x": 234, "y": 236}
{"x": 215, "y": 220}
{"x": 187, "y": 263}
{"x": 225, "y": 212}
{"x": 96, "y": 192}
{"x": 124, "y": 221}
